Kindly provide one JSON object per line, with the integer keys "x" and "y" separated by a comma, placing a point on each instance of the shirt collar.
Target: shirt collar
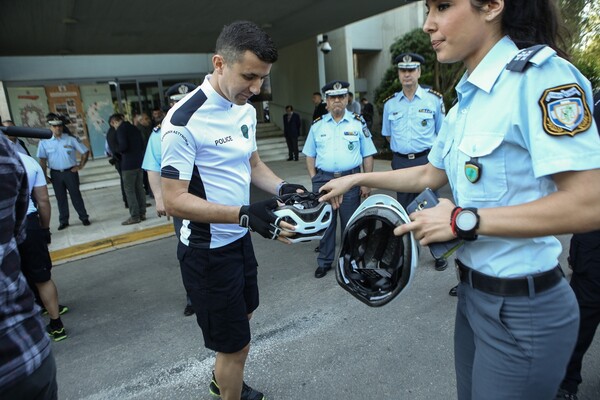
{"x": 489, "y": 69}
{"x": 346, "y": 117}
{"x": 213, "y": 95}
{"x": 418, "y": 93}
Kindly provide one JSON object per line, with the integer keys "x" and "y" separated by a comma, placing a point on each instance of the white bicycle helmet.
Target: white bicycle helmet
{"x": 310, "y": 217}
{"x": 374, "y": 265}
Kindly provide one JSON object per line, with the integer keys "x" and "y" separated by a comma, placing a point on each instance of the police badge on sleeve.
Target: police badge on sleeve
{"x": 565, "y": 111}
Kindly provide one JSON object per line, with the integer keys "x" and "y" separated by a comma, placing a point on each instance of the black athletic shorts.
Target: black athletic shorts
{"x": 222, "y": 284}
{"x": 35, "y": 258}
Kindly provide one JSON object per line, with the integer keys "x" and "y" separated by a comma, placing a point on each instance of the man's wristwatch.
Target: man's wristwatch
{"x": 464, "y": 223}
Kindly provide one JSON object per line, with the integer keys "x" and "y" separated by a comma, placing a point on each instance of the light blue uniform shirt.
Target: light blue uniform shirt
{"x": 339, "y": 146}
{"x": 503, "y": 120}
{"x": 412, "y": 124}
{"x": 152, "y": 156}
{"x": 60, "y": 152}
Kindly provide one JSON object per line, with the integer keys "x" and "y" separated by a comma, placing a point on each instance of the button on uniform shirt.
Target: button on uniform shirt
{"x": 515, "y": 148}
{"x": 208, "y": 141}
{"x": 24, "y": 344}
{"x": 153, "y": 152}
{"x": 339, "y": 146}
{"x": 61, "y": 152}
{"x": 413, "y": 124}
{"x": 35, "y": 178}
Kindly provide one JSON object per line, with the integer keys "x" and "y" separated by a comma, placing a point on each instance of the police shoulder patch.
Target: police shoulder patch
{"x": 522, "y": 60}
{"x": 565, "y": 110}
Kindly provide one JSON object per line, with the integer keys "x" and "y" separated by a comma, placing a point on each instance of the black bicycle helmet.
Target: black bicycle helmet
{"x": 374, "y": 265}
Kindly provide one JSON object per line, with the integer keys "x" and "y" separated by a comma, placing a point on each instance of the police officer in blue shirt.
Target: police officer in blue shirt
{"x": 338, "y": 144}
{"x": 59, "y": 154}
{"x": 520, "y": 171}
{"x": 151, "y": 164}
{"x": 411, "y": 118}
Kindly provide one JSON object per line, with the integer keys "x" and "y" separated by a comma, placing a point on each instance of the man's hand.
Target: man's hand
{"x": 291, "y": 188}
{"x": 260, "y": 218}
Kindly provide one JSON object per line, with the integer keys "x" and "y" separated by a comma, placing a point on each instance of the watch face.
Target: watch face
{"x": 466, "y": 220}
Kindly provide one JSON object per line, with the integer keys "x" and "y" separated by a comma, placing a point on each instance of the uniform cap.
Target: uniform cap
{"x": 335, "y": 88}
{"x": 54, "y": 121}
{"x": 179, "y": 90}
{"x": 409, "y": 61}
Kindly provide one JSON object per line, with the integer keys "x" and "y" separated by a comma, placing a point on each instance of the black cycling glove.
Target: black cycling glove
{"x": 260, "y": 218}
{"x": 290, "y": 188}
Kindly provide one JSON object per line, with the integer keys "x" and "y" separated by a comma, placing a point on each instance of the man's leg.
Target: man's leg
{"x": 60, "y": 192}
{"x": 140, "y": 192}
{"x": 229, "y": 373}
{"x": 72, "y": 183}
{"x": 129, "y": 184}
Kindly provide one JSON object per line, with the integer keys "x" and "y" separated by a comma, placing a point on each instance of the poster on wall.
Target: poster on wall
{"x": 28, "y": 107}
{"x": 65, "y": 100}
{"x": 98, "y": 107}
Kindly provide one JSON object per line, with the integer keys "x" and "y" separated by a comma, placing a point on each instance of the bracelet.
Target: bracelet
{"x": 453, "y": 220}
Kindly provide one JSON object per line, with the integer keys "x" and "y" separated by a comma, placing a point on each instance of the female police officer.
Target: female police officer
{"x": 521, "y": 153}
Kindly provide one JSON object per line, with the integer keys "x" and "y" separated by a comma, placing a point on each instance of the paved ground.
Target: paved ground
{"x": 128, "y": 338}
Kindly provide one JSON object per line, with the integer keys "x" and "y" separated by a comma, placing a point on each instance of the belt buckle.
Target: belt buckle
{"x": 410, "y": 156}
{"x": 337, "y": 174}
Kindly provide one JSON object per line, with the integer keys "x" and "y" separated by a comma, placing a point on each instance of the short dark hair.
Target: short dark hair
{"x": 116, "y": 117}
{"x": 290, "y": 107}
{"x": 241, "y": 36}
{"x": 317, "y": 94}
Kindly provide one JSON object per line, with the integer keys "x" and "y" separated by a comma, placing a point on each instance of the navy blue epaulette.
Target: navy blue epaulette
{"x": 317, "y": 120}
{"x": 387, "y": 98}
{"x": 438, "y": 94}
{"x": 156, "y": 128}
{"x": 522, "y": 60}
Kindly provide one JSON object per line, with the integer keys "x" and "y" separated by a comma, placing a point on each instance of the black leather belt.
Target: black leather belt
{"x": 412, "y": 156}
{"x": 522, "y": 286}
{"x": 61, "y": 170}
{"x": 340, "y": 173}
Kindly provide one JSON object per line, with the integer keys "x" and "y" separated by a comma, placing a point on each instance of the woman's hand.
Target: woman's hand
{"x": 430, "y": 225}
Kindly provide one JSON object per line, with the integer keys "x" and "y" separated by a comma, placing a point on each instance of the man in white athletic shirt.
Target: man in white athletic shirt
{"x": 209, "y": 159}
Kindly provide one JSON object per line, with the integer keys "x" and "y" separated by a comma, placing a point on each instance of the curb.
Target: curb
{"x": 111, "y": 243}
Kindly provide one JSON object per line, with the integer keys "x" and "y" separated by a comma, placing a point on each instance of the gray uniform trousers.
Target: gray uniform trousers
{"x": 513, "y": 347}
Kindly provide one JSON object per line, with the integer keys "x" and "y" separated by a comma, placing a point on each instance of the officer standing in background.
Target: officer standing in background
{"x": 411, "y": 120}
{"x": 58, "y": 154}
{"x": 320, "y": 107}
{"x": 151, "y": 165}
{"x": 337, "y": 145}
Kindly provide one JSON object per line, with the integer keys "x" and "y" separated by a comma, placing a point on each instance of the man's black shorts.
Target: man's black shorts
{"x": 35, "y": 258}
{"x": 222, "y": 284}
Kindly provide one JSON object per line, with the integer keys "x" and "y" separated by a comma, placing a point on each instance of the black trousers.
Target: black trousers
{"x": 584, "y": 257}
{"x": 63, "y": 181}
{"x": 292, "y": 145}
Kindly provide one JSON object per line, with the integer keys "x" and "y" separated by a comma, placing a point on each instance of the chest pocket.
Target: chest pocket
{"x": 424, "y": 121}
{"x": 487, "y": 150}
{"x": 397, "y": 120}
{"x": 351, "y": 142}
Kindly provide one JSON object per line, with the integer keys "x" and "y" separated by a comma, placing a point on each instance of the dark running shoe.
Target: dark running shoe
{"x": 61, "y": 310}
{"x": 57, "y": 334}
{"x": 247, "y": 392}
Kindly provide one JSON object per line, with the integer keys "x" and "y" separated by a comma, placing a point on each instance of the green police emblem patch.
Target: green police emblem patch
{"x": 245, "y": 131}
